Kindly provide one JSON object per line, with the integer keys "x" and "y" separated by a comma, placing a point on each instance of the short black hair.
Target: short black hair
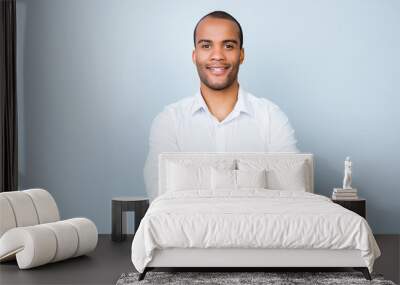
{"x": 220, "y": 15}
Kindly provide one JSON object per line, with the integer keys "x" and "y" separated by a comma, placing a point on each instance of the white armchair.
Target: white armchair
{"x": 32, "y": 233}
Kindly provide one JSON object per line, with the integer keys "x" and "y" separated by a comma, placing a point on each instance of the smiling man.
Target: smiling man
{"x": 221, "y": 117}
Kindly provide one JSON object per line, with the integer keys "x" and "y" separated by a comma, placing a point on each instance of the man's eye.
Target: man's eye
{"x": 205, "y": 46}
{"x": 229, "y": 46}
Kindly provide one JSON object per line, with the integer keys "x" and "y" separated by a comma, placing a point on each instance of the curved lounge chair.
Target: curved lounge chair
{"x": 32, "y": 233}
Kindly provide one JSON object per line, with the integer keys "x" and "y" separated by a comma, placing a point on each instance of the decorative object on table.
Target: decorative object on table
{"x": 347, "y": 173}
{"x": 32, "y": 233}
{"x": 248, "y": 278}
{"x": 121, "y": 205}
{"x": 347, "y": 192}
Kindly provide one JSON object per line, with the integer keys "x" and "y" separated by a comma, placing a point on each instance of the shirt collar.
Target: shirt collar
{"x": 242, "y": 104}
{"x": 199, "y": 103}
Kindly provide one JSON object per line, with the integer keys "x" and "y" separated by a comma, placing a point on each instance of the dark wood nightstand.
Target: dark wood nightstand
{"x": 358, "y": 206}
{"x": 121, "y": 205}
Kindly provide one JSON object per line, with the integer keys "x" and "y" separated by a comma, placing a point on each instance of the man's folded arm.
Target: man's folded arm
{"x": 162, "y": 139}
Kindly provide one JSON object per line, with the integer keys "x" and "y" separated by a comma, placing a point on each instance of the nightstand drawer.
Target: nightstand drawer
{"x": 357, "y": 206}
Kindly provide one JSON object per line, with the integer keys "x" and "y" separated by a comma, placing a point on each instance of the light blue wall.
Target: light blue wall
{"x": 93, "y": 74}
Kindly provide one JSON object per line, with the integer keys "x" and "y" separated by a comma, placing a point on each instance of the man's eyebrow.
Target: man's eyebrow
{"x": 230, "y": 41}
{"x": 203, "y": 41}
{"x": 224, "y": 41}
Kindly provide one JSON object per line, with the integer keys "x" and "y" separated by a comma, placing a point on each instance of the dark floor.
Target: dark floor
{"x": 111, "y": 259}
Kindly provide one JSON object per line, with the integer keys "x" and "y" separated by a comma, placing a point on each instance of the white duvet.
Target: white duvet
{"x": 251, "y": 218}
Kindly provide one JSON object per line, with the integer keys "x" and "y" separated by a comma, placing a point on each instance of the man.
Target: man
{"x": 221, "y": 117}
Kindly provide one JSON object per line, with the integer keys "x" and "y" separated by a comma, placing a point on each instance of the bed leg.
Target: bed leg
{"x": 364, "y": 271}
{"x": 143, "y": 274}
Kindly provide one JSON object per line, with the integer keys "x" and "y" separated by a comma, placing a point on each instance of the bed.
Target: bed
{"x": 246, "y": 210}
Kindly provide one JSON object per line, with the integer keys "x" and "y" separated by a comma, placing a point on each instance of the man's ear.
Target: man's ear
{"x": 194, "y": 56}
{"x": 241, "y": 55}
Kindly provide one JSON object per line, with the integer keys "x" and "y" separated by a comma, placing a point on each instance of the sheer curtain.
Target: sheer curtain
{"x": 8, "y": 97}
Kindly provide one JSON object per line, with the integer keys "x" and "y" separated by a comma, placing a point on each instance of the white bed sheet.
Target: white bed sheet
{"x": 250, "y": 218}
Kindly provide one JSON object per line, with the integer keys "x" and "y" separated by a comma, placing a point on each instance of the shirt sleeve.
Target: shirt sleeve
{"x": 162, "y": 139}
{"x": 282, "y": 136}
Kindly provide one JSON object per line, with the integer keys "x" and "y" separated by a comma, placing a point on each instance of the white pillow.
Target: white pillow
{"x": 293, "y": 178}
{"x": 187, "y": 177}
{"x": 237, "y": 179}
{"x": 251, "y": 178}
{"x": 223, "y": 179}
{"x": 282, "y": 174}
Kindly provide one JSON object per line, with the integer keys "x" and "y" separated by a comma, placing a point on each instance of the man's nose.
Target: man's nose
{"x": 217, "y": 54}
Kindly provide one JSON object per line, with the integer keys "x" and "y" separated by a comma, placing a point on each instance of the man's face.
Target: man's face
{"x": 217, "y": 53}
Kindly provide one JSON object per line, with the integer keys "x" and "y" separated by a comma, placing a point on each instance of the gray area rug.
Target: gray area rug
{"x": 225, "y": 278}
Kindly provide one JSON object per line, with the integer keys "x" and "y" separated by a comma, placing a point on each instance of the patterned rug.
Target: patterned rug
{"x": 243, "y": 278}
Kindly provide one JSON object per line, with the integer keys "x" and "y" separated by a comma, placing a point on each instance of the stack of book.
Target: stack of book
{"x": 344, "y": 194}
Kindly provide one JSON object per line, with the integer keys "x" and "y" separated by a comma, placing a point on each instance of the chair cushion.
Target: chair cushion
{"x": 40, "y": 244}
{"x": 46, "y": 207}
{"x": 7, "y": 220}
{"x": 23, "y": 208}
{"x": 26, "y": 208}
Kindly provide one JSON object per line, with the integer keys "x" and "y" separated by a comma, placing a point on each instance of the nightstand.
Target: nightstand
{"x": 358, "y": 206}
{"x": 121, "y": 205}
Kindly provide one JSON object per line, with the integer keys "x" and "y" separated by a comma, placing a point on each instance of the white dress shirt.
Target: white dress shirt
{"x": 254, "y": 125}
